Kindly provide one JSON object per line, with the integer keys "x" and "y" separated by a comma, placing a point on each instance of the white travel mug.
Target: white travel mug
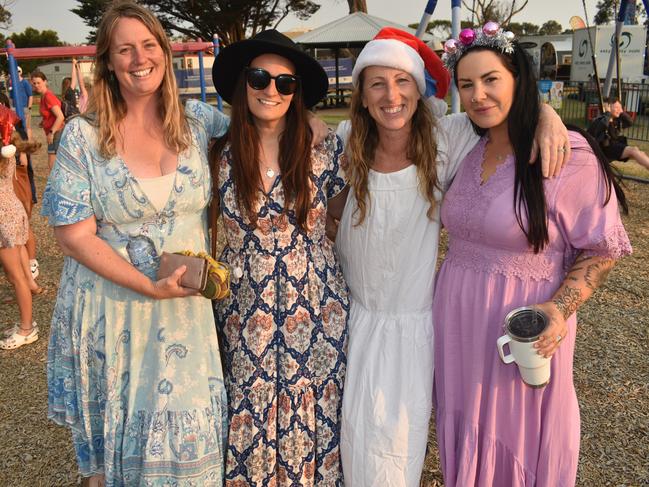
{"x": 523, "y": 327}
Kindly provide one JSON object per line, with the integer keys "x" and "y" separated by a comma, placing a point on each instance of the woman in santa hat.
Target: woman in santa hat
{"x": 400, "y": 161}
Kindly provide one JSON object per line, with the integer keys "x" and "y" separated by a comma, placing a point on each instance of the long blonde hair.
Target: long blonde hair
{"x": 106, "y": 106}
{"x": 364, "y": 139}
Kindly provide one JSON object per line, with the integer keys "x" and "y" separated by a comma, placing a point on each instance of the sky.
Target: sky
{"x": 56, "y": 15}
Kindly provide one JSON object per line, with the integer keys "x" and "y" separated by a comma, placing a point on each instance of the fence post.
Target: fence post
{"x": 215, "y": 41}
{"x": 201, "y": 75}
{"x": 13, "y": 74}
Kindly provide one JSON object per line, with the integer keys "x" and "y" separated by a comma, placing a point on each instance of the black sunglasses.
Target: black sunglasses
{"x": 259, "y": 79}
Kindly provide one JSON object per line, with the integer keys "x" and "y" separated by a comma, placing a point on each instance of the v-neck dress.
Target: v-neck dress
{"x": 138, "y": 381}
{"x": 492, "y": 429}
{"x": 284, "y": 334}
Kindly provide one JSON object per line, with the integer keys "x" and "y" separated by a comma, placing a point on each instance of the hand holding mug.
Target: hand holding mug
{"x": 523, "y": 328}
{"x": 554, "y": 334}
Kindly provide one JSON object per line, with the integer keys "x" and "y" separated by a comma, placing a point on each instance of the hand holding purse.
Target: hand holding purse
{"x": 195, "y": 276}
{"x": 208, "y": 276}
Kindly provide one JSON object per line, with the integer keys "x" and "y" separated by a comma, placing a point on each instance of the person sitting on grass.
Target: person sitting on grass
{"x": 607, "y": 130}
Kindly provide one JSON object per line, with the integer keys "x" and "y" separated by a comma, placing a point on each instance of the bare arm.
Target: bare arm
{"x": 73, "y": 82}
{"x": 77, "y": 79}
{"x": 319, "y": 129}
{"x": 80, "y": 241}
{"x": 60, "y": 119}
{"x": 336, "y": 205}
{"x": 585, "y": 276}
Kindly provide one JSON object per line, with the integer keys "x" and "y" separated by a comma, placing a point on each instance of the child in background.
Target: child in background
{"x": 14, "y": 230}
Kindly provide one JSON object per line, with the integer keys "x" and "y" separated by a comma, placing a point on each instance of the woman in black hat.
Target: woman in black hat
{"x": 284, "y": 326}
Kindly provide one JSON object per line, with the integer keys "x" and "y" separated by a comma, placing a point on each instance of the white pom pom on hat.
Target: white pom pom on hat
{"x": 8, "y": 151}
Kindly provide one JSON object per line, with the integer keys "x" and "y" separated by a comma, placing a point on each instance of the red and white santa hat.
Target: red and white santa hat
{"x": 394, "y": 48}
{"x": 8, "y": 120}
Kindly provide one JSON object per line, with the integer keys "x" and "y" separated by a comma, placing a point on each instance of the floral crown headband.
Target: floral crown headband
{"x": 491, "y": 35}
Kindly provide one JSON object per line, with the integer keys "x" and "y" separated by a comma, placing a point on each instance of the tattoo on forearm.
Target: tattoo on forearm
{"x": 597, "y": 272}
{"x": 568, "y": 300}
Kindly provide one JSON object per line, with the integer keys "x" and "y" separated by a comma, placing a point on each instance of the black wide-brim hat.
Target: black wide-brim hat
{"x": 233, "y": 59}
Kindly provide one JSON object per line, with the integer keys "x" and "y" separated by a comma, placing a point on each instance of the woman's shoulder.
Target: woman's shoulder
{"x": 199, "y": 109}
{"x": 583, "y": 169}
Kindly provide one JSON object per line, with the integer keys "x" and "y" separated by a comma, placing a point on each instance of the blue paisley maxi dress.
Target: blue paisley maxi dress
{"x": 284, "y": 334}
{"x": 138, "y": 381}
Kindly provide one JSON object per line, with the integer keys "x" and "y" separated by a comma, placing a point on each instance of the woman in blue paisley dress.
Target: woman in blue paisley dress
{"x": 284, "y": 326}
{"x": 134, "y": 368}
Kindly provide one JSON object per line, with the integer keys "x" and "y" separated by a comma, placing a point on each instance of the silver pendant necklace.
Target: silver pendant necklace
{"x": 270, "y": 173}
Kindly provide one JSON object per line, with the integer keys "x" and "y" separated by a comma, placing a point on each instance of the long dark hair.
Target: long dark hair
{"x": 294, "y": 156}
{"x": 529, "y": 196}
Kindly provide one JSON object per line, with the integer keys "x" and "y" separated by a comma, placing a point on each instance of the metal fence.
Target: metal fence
{"x": 580, "y": 105}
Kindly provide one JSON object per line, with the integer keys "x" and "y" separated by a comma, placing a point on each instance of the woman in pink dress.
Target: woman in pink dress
{"x": 516, "y": 239}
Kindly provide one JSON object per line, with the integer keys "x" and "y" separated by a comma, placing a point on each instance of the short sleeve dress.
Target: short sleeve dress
{"x": 138, "y": 381}
{"x": 14, "y": 224}
{"x": 493, "y": 429}
{"x": 284, "y": 334}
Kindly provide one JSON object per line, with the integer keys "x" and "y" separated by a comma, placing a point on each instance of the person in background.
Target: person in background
{"x": 50, "y": 110}
{"x": 607, "y": 129}
{"x": 515, "y": 239}
{"x": 25, "y": 101}
{"x": 79, "y": 86}
{"x": 284, "y": 325}
{"x": 69, "y": 99}
{"x": 23, "y": 190}
{"x": 14, "y": 231}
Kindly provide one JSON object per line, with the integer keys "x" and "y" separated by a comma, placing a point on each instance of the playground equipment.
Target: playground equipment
{"x": 456, "y": 7}
{"x": 13, "y": 54}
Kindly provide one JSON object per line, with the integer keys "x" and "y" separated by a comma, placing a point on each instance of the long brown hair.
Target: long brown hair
{"x": 106, "y": 106}
{"x": 294, "y": 156}
{"x": 364, "y": 139}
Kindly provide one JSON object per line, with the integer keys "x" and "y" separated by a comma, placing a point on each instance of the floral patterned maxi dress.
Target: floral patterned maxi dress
{"x": 138, "y": 381}
{"x": 284, "y": 333}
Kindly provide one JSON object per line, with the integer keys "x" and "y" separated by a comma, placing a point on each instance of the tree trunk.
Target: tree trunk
{"x": 357, "y": 6}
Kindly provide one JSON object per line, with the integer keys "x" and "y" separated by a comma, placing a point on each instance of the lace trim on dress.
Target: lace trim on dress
{"x": 481, "y": 258}
{"x": 614, "y": 244}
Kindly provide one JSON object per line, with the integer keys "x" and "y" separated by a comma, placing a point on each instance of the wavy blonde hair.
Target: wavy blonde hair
{"x": 106, "y": 106}
{"x": 364, "y": 139}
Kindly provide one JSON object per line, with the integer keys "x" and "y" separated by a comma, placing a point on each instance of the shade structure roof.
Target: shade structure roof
{"x": 353, "y": 30}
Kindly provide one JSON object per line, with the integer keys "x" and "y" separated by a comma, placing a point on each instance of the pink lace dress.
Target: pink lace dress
{"x": 14, "y": 225}
{"x": 492, "y": 429}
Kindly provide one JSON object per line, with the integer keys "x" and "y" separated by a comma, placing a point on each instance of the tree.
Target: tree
{"x": 5, "y": 14}
{"x": 231, "y": 20}
{"x": 357, "y": 6}
{"x": 31, "y": 37}
{"x": 91, "y": 12}
{"x": 551, "y": 27}
{"x": 605, "y": 12}
{"x": 500, "y": 11}
{"x": 523, "y": 29}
